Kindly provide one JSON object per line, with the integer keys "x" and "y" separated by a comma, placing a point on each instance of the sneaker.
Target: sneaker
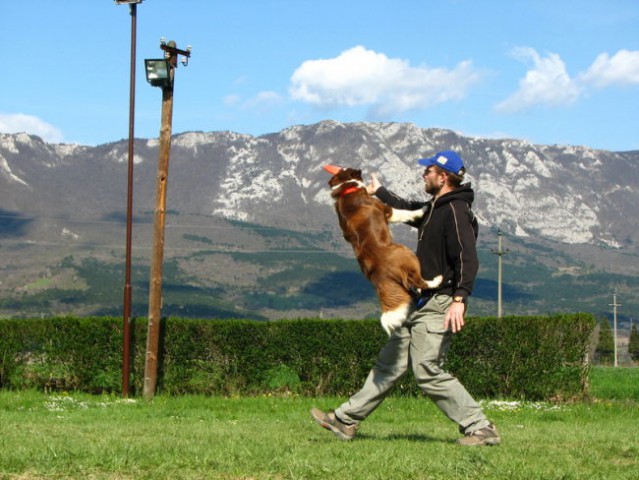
{"x": 484, "y": 436}
{"x": 330, "y": 422}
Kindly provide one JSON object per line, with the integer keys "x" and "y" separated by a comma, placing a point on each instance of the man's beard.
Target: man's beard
{"x": 432, "y": 189}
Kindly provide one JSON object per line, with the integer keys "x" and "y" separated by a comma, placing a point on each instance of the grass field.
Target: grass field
{"x": 615, "y": 383}
{"x": 60, "y": 436}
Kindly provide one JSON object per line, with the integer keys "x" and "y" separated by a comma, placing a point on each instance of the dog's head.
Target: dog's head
{"x": 344, "y": 178}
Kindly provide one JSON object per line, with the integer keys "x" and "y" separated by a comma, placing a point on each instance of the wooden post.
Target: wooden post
{"x": 155, "y": 284}
{"x": 171, "y": 53}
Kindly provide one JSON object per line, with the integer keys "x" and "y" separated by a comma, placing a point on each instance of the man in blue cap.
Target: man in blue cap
{"x": 446, "y": 246}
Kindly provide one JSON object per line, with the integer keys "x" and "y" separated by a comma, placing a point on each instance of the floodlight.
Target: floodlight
{"x": 158, "y": 72}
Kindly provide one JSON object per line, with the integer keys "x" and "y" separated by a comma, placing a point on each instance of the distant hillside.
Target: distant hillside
{"x": 251, "y": 231}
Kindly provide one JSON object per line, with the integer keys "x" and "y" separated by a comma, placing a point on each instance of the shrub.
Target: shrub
{"x": 516, "y": 357}
{"x": 60, "y": 353}
{"x": 281, "y": 379}
{"x": 524, "y": 357}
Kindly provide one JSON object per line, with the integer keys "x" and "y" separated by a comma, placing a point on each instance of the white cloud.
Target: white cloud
{"x": 361, "y": 77}
{"x": 263, "y": 100}
{"x": 19, "y": 122}
{"x": 547, "y": 83}
{"x": 622, "y": 69}
{"x": 231, "y": 100}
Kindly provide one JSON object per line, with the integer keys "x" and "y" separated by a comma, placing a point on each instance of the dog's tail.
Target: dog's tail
{"x": 434, "y": 282}
{"x": 416, "y": 292}
{"x": 416, "y": 285}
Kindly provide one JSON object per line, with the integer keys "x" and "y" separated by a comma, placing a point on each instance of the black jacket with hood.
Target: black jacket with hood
{"x": 447, "y": 235}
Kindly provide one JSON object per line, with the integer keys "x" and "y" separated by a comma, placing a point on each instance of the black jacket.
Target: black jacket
{"x": 447, "y": 236}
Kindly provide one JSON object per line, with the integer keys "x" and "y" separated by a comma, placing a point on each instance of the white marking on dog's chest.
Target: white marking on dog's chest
{"x": 357, "y": 184}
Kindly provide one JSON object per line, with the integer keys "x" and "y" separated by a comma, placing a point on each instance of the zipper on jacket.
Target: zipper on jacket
{"x": 423, "y": 225}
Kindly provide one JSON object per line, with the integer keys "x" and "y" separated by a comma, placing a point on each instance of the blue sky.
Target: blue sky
{"x": 550, "y": 72}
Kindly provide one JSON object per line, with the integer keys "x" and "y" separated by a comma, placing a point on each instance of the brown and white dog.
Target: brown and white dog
{"x": 392, "y": 268}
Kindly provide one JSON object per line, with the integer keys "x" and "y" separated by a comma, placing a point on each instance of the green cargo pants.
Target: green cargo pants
{"x": 423, "y": 343}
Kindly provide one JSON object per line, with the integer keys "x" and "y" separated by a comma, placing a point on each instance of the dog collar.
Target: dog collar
{"x": 357, "y": 185}
{"x": 348, "y": 190}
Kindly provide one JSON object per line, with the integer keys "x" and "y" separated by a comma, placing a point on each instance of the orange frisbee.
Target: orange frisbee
{"x": 332, "y": 169}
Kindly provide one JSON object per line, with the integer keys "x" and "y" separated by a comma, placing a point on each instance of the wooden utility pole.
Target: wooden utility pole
{"x": 157, "y": 256}
{"x": 155, "y": 283}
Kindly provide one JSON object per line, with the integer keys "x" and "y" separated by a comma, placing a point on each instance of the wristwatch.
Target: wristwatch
{"x": 459, "y": 299}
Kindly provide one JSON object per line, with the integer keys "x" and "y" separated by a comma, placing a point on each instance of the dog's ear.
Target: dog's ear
{"x": 357, "y": 174}
{"x": 336, "y": 179}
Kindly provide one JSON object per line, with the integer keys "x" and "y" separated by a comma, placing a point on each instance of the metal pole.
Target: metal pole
{"x": 155, "y": 286}
{"x": 126, "y": 321}
{"x": 499, "y": 252}
{"x": 614, "y": 306}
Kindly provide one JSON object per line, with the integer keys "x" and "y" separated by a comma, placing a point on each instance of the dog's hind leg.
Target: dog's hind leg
{"x": 395, "y": 302}
{"x": 393, "y": 320}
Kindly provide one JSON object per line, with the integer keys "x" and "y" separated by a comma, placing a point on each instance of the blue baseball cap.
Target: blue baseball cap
{"x": 448, "y": 160}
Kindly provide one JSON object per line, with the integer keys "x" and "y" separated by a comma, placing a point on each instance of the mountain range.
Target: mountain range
{"x": 251, "y": 231}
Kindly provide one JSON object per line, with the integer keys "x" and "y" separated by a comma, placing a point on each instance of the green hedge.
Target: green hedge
{"x": 61, "y": 353}
{"x": 525, "y": 357}
{"x": 513, "y": 357}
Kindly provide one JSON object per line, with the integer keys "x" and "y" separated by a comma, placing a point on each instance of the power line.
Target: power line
{"x": 206, "y": 249}
{"x": 168, "y": 225}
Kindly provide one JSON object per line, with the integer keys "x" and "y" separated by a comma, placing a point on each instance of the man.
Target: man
{"x": 446, "y": 246}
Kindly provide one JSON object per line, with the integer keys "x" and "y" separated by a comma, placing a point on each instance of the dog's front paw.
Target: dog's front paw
{"x": 399, "y": 215}
{"x": 417, "y": 214}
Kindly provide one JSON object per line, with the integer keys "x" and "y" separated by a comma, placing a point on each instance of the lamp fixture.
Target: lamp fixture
{"x": 158, "y": 72}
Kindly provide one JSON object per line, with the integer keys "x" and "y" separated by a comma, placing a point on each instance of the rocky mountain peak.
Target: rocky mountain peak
{"x": 570, "y": 194}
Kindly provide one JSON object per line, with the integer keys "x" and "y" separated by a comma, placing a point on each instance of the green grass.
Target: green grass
{"x": 615, "y": 383}
{"x": 64, "y": 436}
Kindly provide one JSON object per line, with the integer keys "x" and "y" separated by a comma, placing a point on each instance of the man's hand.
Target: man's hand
{"x": 372, "y": 187}
{"x": 455, "y": 317}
